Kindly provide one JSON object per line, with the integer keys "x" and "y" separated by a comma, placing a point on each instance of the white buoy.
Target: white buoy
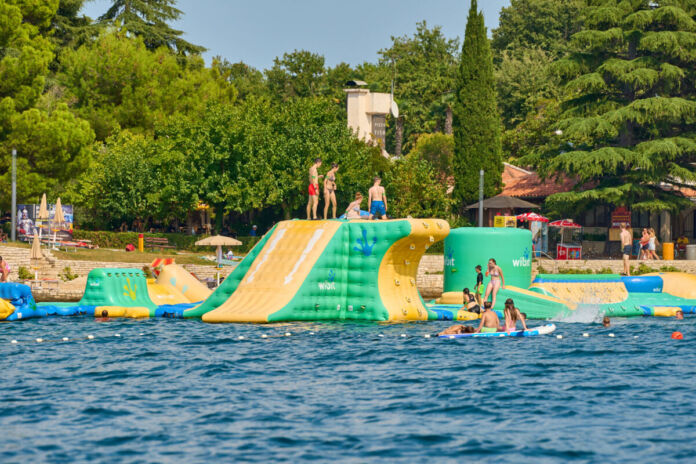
{"x": 635, "y": 336}
{"x": 141, "y": 334}
{"x": 39, "y": 340}
{"x": 90, "y": 337}
{"x": 65, "y": 339}
{"x": 264, "y": 336}
{"x": 403, "y": 335}
{"x": 241, "y": 337}
{"x": 311, "y": 333}
{"x": 117, "y": 335}
{"x": 427, "y": 335}
{"x": 611, "y": 335}
{"x": 287, "y": 334}
{"x": 585, "y": 334}
{"x": 559, "y": 336}
{"x": 380, "y": 335}
{"x": 14, "y": 342}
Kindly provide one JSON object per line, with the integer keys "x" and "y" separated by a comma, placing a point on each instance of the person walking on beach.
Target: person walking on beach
{"x": 626, "y": 247}
{"x": 330, "y": 190}
{"x": 377, "y": 200}
{"x": 496, "y": 283}
{"x": 644, "y": 239}
{"x": 313, "y": 189}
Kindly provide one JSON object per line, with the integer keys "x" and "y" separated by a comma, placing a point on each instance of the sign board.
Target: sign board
{"x": 505, "y": 221}
{"x": 27, "y": 224}
{"x": 379, "y": 128}
{"x": 620, "y": 216}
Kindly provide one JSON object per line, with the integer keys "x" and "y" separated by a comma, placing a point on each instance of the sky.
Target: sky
{"x": 257, "y": 31}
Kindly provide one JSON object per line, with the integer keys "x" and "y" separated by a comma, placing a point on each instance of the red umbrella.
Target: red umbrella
{"x": 565, "y": 223}
{"x": 532, "y": 217}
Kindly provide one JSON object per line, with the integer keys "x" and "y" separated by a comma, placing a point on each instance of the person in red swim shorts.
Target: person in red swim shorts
{"x": 313, "y": 190}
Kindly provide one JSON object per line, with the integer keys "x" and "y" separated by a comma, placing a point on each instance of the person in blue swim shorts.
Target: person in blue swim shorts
{"x": 377, "y": 200}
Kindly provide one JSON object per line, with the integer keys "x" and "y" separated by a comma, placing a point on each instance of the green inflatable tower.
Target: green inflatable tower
{"x": 467, "y": 247}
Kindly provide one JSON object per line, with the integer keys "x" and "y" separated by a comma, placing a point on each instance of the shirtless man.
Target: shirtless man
{"x": 489, "y": 320}
{"x": 377, "y": 200}
{"x": 313, "y": 201}
{"x": 626, "y": 246}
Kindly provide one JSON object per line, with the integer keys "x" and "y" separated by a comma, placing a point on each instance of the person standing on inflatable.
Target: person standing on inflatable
{"x": 496, "y": 283}
{"x": 377, "y": 200}
{"x": 313, "y": 190}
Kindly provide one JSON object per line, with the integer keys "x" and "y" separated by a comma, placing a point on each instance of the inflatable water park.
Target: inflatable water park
{"x": 356, "y": 270}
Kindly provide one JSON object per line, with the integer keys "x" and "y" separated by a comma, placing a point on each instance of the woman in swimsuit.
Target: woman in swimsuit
{"x": 512, "y": 315}
{"x": 353, "y": 210}
{"x": 652, "y": 244}
{"x": 470, "y": 303}
{"x": 497, "y": 281}
{"x": 4, "y": 270}
{"x": 330, "y": 190}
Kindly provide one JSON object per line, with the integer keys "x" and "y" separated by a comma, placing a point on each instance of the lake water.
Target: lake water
{"x": 186, "y": 391}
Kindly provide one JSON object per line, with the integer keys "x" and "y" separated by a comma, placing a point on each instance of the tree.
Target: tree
{"x": 296, "y": 74}
{"x": 537, "y": 24}
{"x": 629, "y": 112}
{"x": 476, "y": 121}
{"x": 69, "y": 28}
{"x": 414, "y": 188}
{"x": 438, "y": 150}
{"x": 148, "y": 19}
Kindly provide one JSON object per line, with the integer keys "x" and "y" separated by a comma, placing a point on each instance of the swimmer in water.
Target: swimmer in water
{"x": 606, "y": 322}
{"x": 679, "y": 315}
{"x": 104, "y": 316}
{"x": 497, "y": 281}
{"x": 489, "y": 320}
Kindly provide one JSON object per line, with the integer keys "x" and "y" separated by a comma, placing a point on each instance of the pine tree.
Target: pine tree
{"x": 148, "y": 19}
{"x": 476, "y": 124}
{"x": 629, "y": 120}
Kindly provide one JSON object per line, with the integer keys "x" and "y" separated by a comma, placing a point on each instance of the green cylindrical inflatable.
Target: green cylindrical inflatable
{"x": 467, "y": 247}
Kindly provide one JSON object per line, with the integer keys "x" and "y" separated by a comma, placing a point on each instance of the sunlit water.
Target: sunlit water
{"x": 186, "y": 391}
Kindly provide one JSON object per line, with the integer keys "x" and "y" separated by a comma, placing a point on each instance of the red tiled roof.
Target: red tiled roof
{"x": 521, "y": 183}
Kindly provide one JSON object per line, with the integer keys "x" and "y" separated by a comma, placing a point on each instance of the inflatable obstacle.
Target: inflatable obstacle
{"x": 328, "y": 270}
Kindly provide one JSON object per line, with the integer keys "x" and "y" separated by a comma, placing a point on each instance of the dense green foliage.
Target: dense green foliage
{"x": 629, "y": 111}
{"x": 476, "y": 120}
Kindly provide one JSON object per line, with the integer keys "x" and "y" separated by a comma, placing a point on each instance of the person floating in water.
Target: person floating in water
{"x": 457, "y": 329}
{"x": 377, "y": 200}
{"x": 330, "y": 191}
{"x": 104, "y": 316}
{"x": 313, "y": 189}
{"x": 353, "y": 210}
{"x": 496, "y": 283}
{"x": 606, "y": 322}
{"x": 478, "y": 288}
{"x": 489, "y": 320}
{"x": 512, "y": 315}
{"x": 470, "y": 303}
{"x": 679, "y": 314}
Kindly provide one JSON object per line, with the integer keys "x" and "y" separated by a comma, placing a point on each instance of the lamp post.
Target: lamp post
{"x": 13, "y": 233}
{"x": 481, "y": 198}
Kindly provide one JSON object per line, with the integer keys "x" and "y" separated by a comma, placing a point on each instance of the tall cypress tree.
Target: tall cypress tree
{"x": 148, "y": 19}
{"x": 476, "y": 124}
{"x": 629, "y": 125}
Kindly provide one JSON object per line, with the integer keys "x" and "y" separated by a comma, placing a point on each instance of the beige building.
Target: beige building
{"x": 367, "y": 114}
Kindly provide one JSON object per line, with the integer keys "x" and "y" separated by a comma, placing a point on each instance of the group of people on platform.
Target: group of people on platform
{"x": 376, "y": 200}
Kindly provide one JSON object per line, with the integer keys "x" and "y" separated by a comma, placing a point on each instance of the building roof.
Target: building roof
{"x": 522, "y": 183}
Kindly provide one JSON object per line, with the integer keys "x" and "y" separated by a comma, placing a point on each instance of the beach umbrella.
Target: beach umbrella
{"x": 503, "y": 202}
{"x": 532, "y": 217}
{"x": 43, "y": 214}
{"x": 58, "y": 220}
{"x": 35, "y": 254}
{"x": 218, "y": 241}
{"x": 564, "y": 224}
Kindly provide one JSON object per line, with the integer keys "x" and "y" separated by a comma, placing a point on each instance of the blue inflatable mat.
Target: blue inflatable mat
{"x": 542, "y": 330}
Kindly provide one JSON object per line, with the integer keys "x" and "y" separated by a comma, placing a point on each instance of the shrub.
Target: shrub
{"x": 67, "y": 274}
{"x": 605, "y": 270}
{"x": 24, "y": 274}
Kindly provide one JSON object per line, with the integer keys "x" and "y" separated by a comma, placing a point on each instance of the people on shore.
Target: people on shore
{"x": 489, "y": 320}
{"x": 4, "y": 270}
{"x": 470, "y": 303}
{"x": 644, "y": 239}
{"x": 652, "y": 244}
{"x": 313, "y": 189}
{"x": 330, "y": 191}
{"x": 377, "y": 200}
{"x": 626, "y": 247}
{"x": 353, "y": 210}
{"x": 496, "y": 283}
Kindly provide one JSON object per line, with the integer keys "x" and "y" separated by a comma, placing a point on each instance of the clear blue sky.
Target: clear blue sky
{"x": 256, "y": 31}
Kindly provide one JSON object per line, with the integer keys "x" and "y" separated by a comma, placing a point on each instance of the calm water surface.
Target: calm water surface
{"x": 185, "y": 391}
